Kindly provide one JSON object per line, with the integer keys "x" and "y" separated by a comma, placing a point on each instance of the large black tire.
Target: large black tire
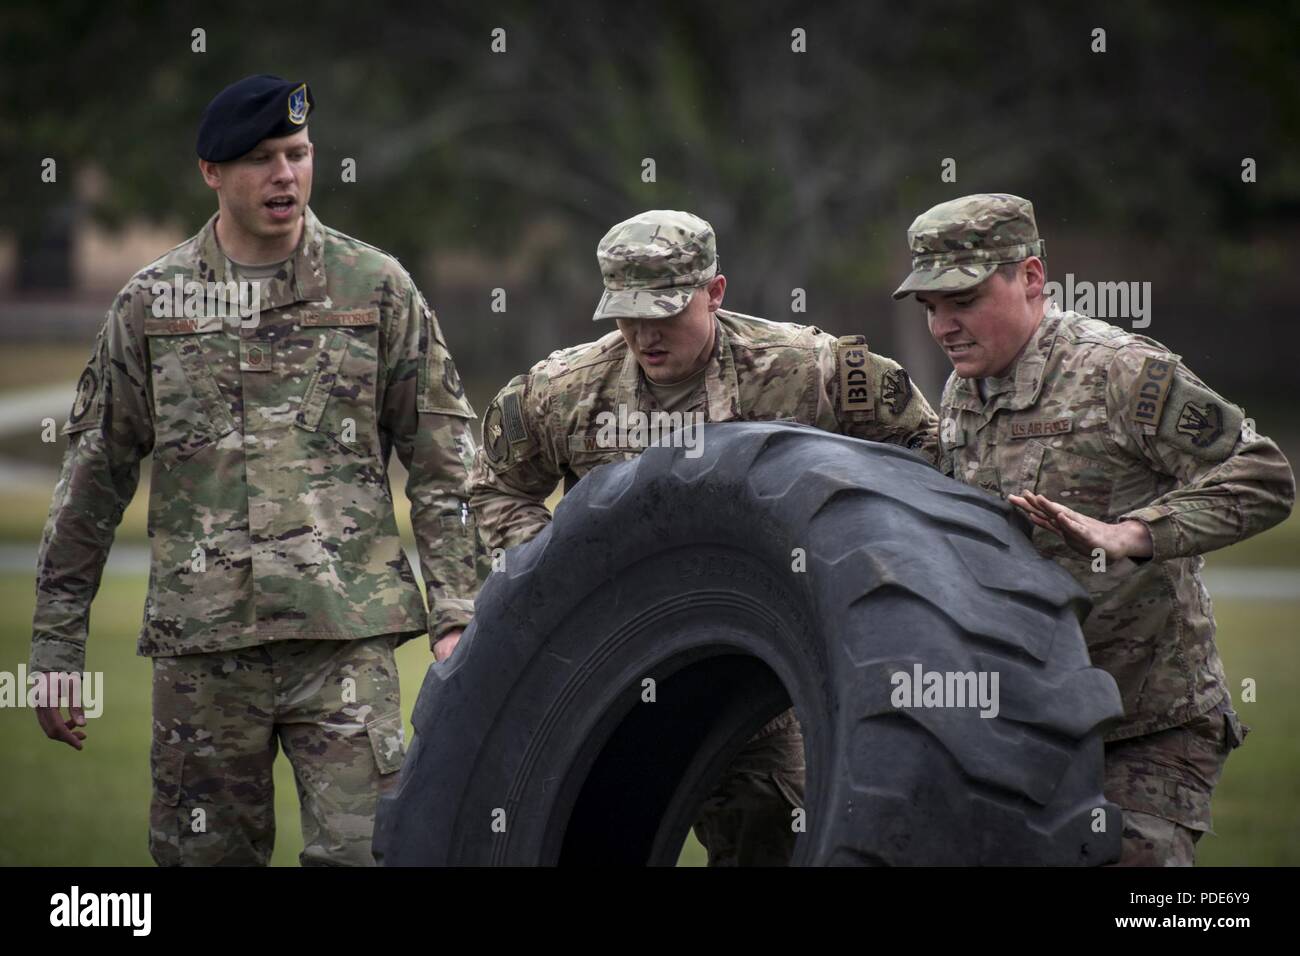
{"x": 534, "y": 743}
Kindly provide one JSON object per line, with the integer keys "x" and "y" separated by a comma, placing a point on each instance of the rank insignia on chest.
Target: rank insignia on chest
{"x": 1038, "y": 428}
{"x": 1202, "y": 424}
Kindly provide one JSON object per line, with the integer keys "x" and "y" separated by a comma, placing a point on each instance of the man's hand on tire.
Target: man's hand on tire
{"x": 443, "y": 647}
{"x": 1128, "y": 539}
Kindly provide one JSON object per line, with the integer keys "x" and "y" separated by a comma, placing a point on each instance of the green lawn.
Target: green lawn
{"x": 64, "y": 808}
{"x": 1257, "y": 804}
{"x": 69, "y": 808}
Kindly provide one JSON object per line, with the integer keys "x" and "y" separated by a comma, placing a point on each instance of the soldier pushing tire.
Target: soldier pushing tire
{"x": 619, "y": 661}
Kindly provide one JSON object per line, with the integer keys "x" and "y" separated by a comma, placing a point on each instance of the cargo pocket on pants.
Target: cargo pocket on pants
{"x": 166, "y": 765}
{"x": 387, "y": 741}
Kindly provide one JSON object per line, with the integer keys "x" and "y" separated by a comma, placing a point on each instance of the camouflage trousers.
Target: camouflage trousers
{"x": 748, "y": 818}
{"x": 218, "y": 720}
{"x": 1164, "y": 782}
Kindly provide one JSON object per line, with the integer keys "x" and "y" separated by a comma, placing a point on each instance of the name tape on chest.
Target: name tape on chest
{"x": 1152, "y": 392}
{"x": 598, "y": 442}
{"x": 351, "y": 317}
{"x": 1038, "y": 428}
{"x": 191, "y": 326}
{"x": 855, "y": 382}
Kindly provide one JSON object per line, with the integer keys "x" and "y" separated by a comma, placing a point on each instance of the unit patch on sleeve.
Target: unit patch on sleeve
{"x": 1152, "y": 391}
{"x": 1201, "y": 424}
{"x": 1198, "y": 421}
{"x": 855, "y": 382}
{"x": 451, "y": 378}
{"x": 896, "y": 390}
{"x": 494, "y": 437}
{"x": 87, "y": 389}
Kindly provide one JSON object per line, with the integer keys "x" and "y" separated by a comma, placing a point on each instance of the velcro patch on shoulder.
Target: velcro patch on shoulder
{"x": 896, "y": 390}
{"x": 512, "y": 415}
{"x": 88, "y": 405}
{"x": 1199, "y": 422}
{"x": 1152, "y": 392}
{"x": 504, "y": 430}
{"x": 495, "y": 445}
{"x": 87, "y": 394}
{"x": 439, "y": 389}
{"x": 855, "y": 380}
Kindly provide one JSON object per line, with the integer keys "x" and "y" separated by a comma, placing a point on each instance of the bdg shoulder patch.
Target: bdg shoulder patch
{"x": 1152, "y": 391}
{"x": 854, "y": 363}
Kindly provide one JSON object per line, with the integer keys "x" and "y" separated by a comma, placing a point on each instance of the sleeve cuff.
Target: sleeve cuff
{"x": 1164, "y": 532}
{"x": 450, "y": 613}
{"x": 50, "y": 656}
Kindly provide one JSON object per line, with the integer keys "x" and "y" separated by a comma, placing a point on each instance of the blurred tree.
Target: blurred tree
{"x": 809, "y": 164}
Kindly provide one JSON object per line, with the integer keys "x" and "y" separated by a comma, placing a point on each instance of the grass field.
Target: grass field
{"x": 90, "y": 808}
{"x": 64, "y": 808}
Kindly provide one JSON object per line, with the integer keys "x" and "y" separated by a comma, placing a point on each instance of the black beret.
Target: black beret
{"x": 245, "y": 113}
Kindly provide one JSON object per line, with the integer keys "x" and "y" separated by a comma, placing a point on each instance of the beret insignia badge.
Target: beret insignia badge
{"x": 298, "y": 105}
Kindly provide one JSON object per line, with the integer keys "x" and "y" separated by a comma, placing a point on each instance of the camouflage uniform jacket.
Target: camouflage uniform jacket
{"x": 1112, "y": 425}
{"x": 270, "y": 513}
{"x": 542, "y": 426}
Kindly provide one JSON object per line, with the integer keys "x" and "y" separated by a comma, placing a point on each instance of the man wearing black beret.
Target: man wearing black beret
{"x": 269, "y": 366}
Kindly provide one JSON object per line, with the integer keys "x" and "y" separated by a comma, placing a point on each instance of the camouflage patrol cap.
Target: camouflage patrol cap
{"x": 958, "y": 244}
{"x": 652, "y": 263}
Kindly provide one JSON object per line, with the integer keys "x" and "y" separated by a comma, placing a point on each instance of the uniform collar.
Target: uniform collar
{"x": 720, "y": 385}
{"x": 304, "y": 273}
{"x": 1020, "y": 387}
{"x": 720, "y": 388}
